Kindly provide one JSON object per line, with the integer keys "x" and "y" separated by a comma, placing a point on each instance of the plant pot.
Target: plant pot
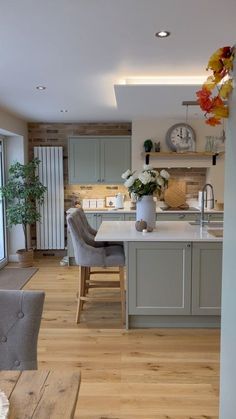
{"x": 146, "y": 210}
{"x": 25, "y": 257}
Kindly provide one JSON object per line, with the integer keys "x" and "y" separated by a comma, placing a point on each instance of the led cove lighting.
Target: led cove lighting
{"x": 162, "y": 34}
{"x": 164, "y": 80}
{"x": 41, "y": 87}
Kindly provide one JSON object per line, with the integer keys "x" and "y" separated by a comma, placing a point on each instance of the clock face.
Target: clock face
{"x": 181, "y": 137}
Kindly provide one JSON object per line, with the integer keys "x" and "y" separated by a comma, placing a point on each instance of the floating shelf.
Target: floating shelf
{"x": 188, "y": 154}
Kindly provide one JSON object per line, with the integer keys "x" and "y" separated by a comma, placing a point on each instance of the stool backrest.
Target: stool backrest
{"x": 86, "y": 254}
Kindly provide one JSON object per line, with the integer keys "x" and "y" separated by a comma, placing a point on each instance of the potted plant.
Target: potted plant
{"x": 24, "y": 193}
{"x": 143, "y": 186}
{"x": 148, "y": 145}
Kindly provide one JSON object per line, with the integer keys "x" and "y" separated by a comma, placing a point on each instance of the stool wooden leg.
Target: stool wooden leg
{"x": 122, "y": 292}
{"x": 84, "y": 286}
{"x": 81, "y": 292}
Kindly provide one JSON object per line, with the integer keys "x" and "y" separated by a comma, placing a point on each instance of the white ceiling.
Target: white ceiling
{"x": 81, "y": 49}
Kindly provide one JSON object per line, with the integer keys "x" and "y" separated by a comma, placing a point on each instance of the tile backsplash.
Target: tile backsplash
{"x": 195, "y": 178}
{"x": 80, "y": 192}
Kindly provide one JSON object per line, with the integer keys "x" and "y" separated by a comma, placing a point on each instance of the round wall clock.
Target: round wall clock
{"x": 181, "y": 137}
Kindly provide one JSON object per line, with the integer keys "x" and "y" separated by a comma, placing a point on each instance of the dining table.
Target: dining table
{"x": 41, "y": 394}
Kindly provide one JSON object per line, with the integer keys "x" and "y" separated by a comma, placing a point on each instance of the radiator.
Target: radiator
{"x": 50, "y": 231}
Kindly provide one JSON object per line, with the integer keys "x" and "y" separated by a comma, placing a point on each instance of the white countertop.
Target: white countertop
{"x": 165, "y": 231}
{"x": 158, "y": 210}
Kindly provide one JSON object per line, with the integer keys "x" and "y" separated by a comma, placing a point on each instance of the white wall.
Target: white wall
{"x": 228, "y": 322}
{"x": 156, "y": 130}
{"x": 16, "y": 148}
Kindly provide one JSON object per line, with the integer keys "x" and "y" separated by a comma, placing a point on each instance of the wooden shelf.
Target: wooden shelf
{"x": 186, "y": 154}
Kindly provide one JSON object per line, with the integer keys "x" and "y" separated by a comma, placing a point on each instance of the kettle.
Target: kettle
{"x": 119, "y": 202}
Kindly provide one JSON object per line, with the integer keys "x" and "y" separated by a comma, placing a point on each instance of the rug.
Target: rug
{"x": 15, "y": 278}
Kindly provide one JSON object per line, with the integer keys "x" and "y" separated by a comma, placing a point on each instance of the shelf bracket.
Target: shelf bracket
{"x": 147, "y": 158}
{"x": 214, "y": 157}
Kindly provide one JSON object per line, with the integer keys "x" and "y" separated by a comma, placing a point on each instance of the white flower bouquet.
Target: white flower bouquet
{"x": 147, "y": 182}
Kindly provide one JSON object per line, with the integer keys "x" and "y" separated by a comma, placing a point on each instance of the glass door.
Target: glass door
{"x": 3, "y": 242}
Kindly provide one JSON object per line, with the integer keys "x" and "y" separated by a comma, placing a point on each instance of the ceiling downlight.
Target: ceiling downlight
{"x": 162, "y": 34}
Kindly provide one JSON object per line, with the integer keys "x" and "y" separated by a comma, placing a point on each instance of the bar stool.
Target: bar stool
{"x": 87, "y": 256}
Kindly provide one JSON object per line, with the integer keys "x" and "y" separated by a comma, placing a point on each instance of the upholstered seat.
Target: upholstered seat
{"x": 20, "y": 317}
{"x": 87, "y": 256}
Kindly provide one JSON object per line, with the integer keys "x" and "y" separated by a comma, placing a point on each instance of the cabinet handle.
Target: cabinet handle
{"x": 181, "y": 216}
{"x": 188, "y": 245}
{"x": 98, "y": 180}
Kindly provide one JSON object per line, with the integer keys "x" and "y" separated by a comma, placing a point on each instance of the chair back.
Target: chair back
{"x": 86, "y": 254}
{"x": 20, "y": 317}
{"x": 85, "y": 222}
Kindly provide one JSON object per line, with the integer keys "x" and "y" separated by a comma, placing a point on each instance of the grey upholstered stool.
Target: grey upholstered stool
{"x": 91, "y": 232}
{"x": 87, "y": 256}
{"x": 20, "y": 317}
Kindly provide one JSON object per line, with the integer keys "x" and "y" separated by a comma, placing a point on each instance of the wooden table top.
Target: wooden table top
{"x": 41, "y": 394}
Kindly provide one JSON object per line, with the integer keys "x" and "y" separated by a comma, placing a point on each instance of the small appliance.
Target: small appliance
{"x": 119, "y": 202}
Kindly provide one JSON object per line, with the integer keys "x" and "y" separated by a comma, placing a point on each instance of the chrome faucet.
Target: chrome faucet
{"x": 204, "y": 202}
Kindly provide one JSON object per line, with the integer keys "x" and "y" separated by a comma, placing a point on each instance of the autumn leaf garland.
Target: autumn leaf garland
{"x": 221, "y": 64}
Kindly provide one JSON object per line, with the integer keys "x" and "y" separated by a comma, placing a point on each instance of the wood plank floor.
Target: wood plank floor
{"x": 138, "y": 374}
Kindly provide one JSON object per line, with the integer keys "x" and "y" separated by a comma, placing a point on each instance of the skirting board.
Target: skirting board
{"x": 173, "y": 321}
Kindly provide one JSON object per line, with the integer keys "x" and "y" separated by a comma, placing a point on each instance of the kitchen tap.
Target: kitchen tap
{"x": 204, "y": 201}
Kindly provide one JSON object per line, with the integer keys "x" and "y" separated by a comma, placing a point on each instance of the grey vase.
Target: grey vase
{"x": 146, "y": 210}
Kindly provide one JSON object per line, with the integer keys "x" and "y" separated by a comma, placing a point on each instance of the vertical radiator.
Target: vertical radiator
{"x": 50, "y": 231}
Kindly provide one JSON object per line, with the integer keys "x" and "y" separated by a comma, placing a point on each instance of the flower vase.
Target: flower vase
{"x": 146, "y": 210}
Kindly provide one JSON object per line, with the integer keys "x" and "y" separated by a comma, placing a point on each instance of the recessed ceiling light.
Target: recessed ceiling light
{"x": 41, "y": 87}
{"x": 64, "y": 110}
{"x": 162, "y": 34}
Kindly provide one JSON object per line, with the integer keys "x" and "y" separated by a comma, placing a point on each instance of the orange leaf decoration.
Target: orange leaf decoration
{"x": 221, "y": 64}
{"x": 213, "y": 121}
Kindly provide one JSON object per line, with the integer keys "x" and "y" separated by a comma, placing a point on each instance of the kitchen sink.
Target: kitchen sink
{"x": 216, "y": 232}
{"x": 209, "y": 224}
{"x": 176, "y": 209}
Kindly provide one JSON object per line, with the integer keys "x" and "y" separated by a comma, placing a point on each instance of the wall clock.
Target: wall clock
{"x": 181, "y": 137}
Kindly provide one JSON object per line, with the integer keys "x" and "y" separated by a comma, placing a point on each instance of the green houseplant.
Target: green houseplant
{"x": 24, "y": 193}
{"x": 148, "y": 145}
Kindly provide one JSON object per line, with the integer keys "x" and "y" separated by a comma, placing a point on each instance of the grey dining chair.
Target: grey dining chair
{"x": 20, "y": 317}
{"x": 87, "y": 256}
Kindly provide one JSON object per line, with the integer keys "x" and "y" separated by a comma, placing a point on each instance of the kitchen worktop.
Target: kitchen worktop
{"x": 127, "y": 210}
{"x": 165, "y": 231}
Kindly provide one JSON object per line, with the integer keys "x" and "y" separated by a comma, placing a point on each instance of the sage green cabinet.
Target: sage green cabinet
{"x": 206, "y": 278}
{"x": 130, "y": 217}
{"x": 176, "y": 216}
{"x": 95, "y": 160}
{"x": 174, "y": 278}
{"x": 159, "y": 282}
{"x": 108, "y": 217}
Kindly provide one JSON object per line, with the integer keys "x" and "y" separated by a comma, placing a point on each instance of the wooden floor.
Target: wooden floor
{"x": 155, "y": 373}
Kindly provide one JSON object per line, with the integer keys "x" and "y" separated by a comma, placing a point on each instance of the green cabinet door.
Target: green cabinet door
{"x": 115, "y": 158}
{"x": 206, "y": 278}
{"x": 159, "y": 278}
{"x": 84, "y": 160}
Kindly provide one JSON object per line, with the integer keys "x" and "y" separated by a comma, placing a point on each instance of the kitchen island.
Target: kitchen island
{"x": 173, "y": 273}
